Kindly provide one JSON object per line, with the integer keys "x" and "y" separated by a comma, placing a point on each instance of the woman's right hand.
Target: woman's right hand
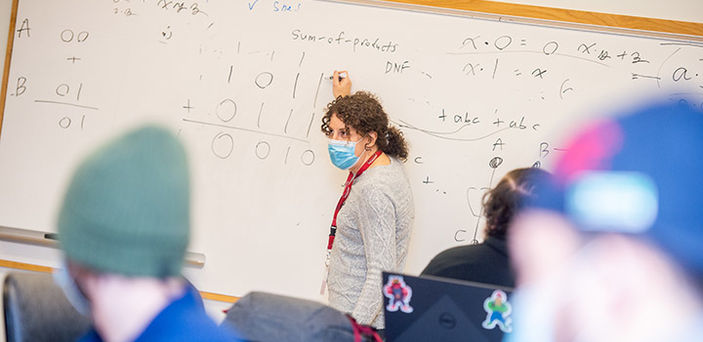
{"x": 341, "y": 87}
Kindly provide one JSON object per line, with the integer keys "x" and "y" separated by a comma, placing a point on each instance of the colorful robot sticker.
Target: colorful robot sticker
{"x": 498, "y": 312}
{"x": 398, "y": 294}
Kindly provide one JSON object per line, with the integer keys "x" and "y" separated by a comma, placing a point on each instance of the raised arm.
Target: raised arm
{"x": 341, "y": 87}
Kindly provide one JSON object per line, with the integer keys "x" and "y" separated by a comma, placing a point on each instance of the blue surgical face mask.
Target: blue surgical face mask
{"x": 74, "y": 295}
{"x": 342, "y": 153}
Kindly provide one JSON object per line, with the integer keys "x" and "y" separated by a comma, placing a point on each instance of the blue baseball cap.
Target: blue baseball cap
{"x": 639, "y": 173}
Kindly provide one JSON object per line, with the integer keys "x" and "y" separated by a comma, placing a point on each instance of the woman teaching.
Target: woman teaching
{"x": 372, "y": 222}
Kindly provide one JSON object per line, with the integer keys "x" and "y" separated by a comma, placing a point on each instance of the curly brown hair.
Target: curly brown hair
{"x": 502, "y": 202}
{"x": 363, "y": 112}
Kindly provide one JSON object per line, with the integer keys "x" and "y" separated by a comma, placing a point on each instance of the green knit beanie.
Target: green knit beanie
{"x": 127, "y": 208}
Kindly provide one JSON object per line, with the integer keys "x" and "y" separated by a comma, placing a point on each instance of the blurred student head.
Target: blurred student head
{"x": 123, "y": 227}
{"x": 489, "y": 262}
{"x": 611, "y": 248}
{"x": 127, "y": 208}
{"x": 501, "y": 203}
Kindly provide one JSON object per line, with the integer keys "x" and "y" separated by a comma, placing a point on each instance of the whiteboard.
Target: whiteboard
{"x": 245, "y": 83}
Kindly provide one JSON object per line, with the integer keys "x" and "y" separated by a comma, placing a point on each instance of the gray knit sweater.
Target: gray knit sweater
{"x": 373, "y": 232}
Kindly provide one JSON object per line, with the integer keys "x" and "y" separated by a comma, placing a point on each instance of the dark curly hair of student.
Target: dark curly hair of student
{"x": 363, "y": 112}
{"x": 502, "y": 202}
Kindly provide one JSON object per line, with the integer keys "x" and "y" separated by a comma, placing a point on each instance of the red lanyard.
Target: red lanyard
{"x": 345, "y": 194}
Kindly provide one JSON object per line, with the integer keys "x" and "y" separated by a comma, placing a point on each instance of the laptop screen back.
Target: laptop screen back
{"x": 438, "y": 309}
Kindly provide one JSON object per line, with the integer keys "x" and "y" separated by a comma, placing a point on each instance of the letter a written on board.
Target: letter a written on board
{"x": 24, "y": 28}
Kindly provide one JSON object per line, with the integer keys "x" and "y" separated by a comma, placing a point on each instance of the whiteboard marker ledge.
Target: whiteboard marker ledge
{"x": 45, "y": 239}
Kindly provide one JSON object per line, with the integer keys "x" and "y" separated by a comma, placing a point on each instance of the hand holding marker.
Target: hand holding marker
{"x": 341, "y": 83}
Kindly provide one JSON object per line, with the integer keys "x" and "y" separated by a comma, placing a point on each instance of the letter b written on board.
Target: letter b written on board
{"x": 21, "y": 87}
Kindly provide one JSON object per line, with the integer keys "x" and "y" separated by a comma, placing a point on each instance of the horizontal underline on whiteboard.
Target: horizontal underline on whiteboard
{"x": 67, "y": 104}
{"x": 440, "y": 135}
{"x": 244, "y": 129}
{"x": 518, "y": 51}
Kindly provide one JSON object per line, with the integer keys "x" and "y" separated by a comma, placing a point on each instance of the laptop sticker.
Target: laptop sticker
{"x": 398, "y": 294}
{"x": 498, "y": 311}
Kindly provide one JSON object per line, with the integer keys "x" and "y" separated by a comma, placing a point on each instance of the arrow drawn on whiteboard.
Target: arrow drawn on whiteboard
{"x": 441, "y": 135}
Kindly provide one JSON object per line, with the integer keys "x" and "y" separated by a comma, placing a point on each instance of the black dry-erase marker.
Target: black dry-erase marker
{"x": 340, "y": 77}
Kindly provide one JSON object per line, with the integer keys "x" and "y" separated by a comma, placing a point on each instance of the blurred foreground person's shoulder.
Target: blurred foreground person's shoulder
{"x": 611, "y": 249}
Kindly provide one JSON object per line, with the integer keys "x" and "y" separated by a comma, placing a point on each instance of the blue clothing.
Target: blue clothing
{"x": 184, "y": 319}
{"x": 496, "y": 316}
